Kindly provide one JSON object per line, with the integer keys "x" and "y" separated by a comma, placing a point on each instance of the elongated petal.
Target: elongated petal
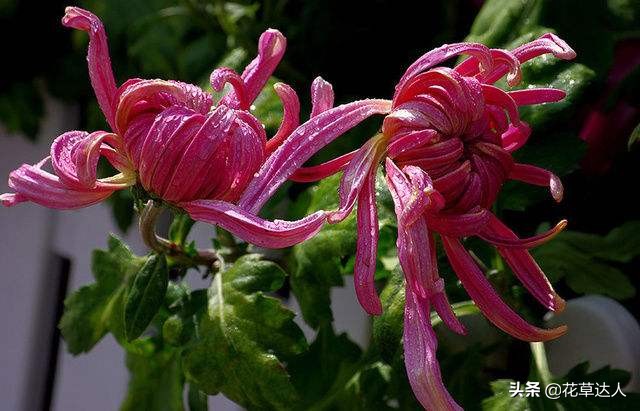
{"x": 321, "y": 96}
{"x": 253, "y": 229}
{"x": 324, "y": 170}
{"x": 75, "y": 155}
{"x": 100, "y": 72}
{"x": 539, "y": 177}
{"x": 302, "y": 144}
{"x": 488, "y": 301}
{"x": 361, "y": 166}
{"x": 536, "y": 96}
{"x": 420, "y": 346}
{"x": 510, "y": 241}
{"x": 459, "y": 225}
{"x": 367, "y": 248}
{"x": 271, "y": 47}
{"x": 443, "y": 53}
{"x": 515, "y": 137}
{"x": 547, "y": 43}
{"x": 222, "y": 75}
{"x": 31, "y": 183}
{"x": 290, "y": 115}
{"x": 525, "y": 267}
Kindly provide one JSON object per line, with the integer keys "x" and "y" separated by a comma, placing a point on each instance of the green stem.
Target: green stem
{"x": 540, "y": 361}
{"x": 147, "y": 227}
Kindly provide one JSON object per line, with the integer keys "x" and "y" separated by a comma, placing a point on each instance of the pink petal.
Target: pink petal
{"x": 539, "y": 177}
{"x": 443, "y": 53}
{"x": 420, "y": 346}
{"x": 271, "y": 47}
{"x": 321, "y": 96}
{"x": 547, "y": 43}
{"x": 515, "y": 136}
{"x": 31, "y": 183}
{"x": 459, "y": 225}
{"x": 363, "y": 163}
{"x": 75, "y": 155}
{"x": 153, "y": 96}
{"x": 488, "y": 301}
{"x": 324, "y": 170}
{"x": 536, "y": 96}
{"x": 253, "y": 229}
{"x": 509, "y": 241}
{"x": 367, "y": 248}
{"x": 302, "y": 144}
{"x": 525, "y": 267}
{"x": 222, "y": 75}
{"x": 290, "y": 116}
{"x": 102, "y": 80}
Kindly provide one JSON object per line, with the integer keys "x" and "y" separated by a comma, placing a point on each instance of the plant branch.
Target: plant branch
{"x": 147, "y": 227}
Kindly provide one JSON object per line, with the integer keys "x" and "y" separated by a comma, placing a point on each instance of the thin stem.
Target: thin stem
{"x": 147, "y": 227}
{"x": 540, "y": 361}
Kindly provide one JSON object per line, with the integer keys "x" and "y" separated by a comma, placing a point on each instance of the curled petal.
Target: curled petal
{"x": 324, "y": 170}
{"x": 100, "y": 72}
{"x": 271, "y": 47}
{"x": 31, "y": 183}
{"x": 504, "y": 61}
{"x": 526, "y": 243}
{"x": 222, "y": 75}
{"x": 459, "y": 225}
{"x": 302, "y": 144}
{"x": 488, "y": 301}
{"x": 407, "y": 142}
{"x": 253, "y": 229}
{"x": 537, "y": 96}
{"x": 494, "y": 95}
{"x": 149, "y": 97}
{"x": 515, "y": 136}
{"x": 290, "y": 115}
{"x": 420, "y": 346}
{"x": 367, "y": 248}
{"x": 547, "y": 43}
{"x": 363, "y": 163}
{"x": 539, "y": 177}
{"x": 443, "y": 53}
{"x": 525, "y": 267}
{"x": 75, "y": 155}
{"x": 321, "y": 96}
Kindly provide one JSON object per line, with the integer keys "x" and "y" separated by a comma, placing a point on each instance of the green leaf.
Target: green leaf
{"x": 244, "y": 337}
{"x": 319, "y": 369}
{"x": 502, "y": 399}
{"x": 93, "y": 310}
{"x": 146, "y": 295}
{"x": 156, "y": 382}
{"x": 179, "y": 229}
{"x": 320, "y": 261}
{"x": 387, "y": 327}
{"x": 586, "y": 261}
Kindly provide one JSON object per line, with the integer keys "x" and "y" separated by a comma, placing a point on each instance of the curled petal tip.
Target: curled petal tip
{"x": 563, "y": 51}
{"x": 220, "y": 76}
{"x": 272, "y": 42}
{"x": 10, "y": 199}
{"x": 559, "y": 304}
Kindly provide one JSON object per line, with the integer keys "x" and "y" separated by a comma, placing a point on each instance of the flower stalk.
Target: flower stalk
{"x": 147, "y": 226}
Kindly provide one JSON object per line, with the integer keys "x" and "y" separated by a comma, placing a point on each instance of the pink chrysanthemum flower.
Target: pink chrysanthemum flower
{"x": 446, "y": 142}
{"x": 171, "y": 138}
